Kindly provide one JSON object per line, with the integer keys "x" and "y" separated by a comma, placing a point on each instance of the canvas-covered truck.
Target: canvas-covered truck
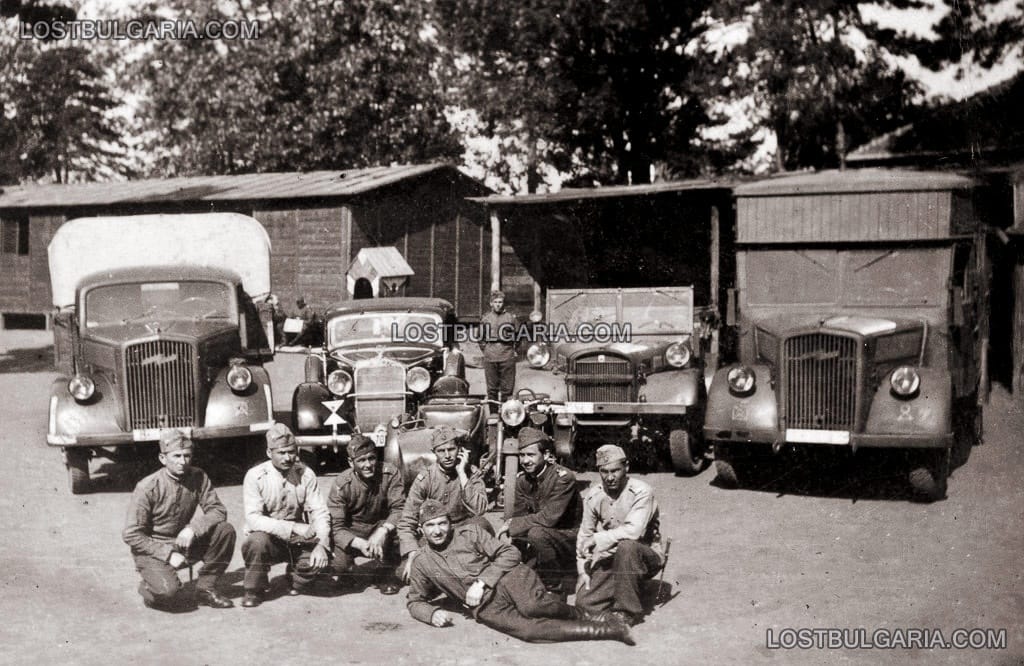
{"x": 161, "y": 322}
{"x": 861, "y": 309}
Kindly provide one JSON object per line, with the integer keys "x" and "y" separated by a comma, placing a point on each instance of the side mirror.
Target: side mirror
{"x": 730, "y": 307}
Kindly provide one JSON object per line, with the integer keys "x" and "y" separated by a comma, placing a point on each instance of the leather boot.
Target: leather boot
{"x": 583, "y": 630}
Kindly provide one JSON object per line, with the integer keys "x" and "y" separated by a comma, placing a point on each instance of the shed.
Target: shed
{"x": 317, "y": 222}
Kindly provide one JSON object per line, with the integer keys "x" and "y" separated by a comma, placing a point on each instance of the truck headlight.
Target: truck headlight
{"x": 536, "y": 317}
{"x": 905, "y": 381}
{"x": 513, "y": 412}
{"x": 741, "y": 380}
{"x": 538, "y": 355}
{"x": 417, "y": 379}
{"x": 339, "y": 382}
{"x": 81, "y": 387}
{"x": 239, "y": 377}
{"x": 678, "y": 354}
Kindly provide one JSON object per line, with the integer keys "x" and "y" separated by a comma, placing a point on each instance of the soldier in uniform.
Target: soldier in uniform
{"x": 286, "y": 519}
{"x": 365, "y": 504}
{"x": 547, "y": 510}
{"x": 619, "y": 545}
{"x": 165, "y": 534}
{"x": 470, "y": 566}
{"x": 499, "y": 348}
{"x": 450, "y": 482}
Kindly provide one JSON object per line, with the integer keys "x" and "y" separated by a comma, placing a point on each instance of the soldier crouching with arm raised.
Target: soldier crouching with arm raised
{"x": 470, "y": 566}
{"x": 165, "y": 534}
{"x": 618, "y": 546}
{"x": 286, "y": 519}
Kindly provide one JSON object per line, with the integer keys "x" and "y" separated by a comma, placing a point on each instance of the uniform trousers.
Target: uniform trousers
{"x": 500, "y": 376}
{"x": 615, "y": 582}
{"x": 160, "y": 580}
{"x": 261, "y": 550}
{"x": 553, "y": 551}
{"x": 521, "y": 607}
{"x": 345, "y": 558}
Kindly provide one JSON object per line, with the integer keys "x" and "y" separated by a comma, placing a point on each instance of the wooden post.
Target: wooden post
{"x": 495, "y": 249}
{"x": 715, "y": 251}
{"x": 1018, "y": 329}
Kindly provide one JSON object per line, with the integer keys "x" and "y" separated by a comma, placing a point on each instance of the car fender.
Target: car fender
{"x": 727, "y": 411}
{"x": 680, "y": 387}
{"x": 226, "y": 407}
{"x": 541, "y": 381}
{"x": 927, "y": 413}
{"x": 100, "y": 414}
{"x": 308, "y": 411}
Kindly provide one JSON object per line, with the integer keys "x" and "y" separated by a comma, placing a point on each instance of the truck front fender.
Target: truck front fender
{"x": 927, "y": 413}
{"x": 680, "y": 387}
{"x": 226, "y": 407}
{"x": 100, "y": 414}
{"x": 727, "y": 411}
{"x": 308, "y": 412}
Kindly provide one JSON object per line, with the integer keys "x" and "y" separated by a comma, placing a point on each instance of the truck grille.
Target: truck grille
{"x": 160, "y": 383}
{"x": 387, "y": 381}
{"x": 821, "y": 382}
{"x": 592, "y": 380}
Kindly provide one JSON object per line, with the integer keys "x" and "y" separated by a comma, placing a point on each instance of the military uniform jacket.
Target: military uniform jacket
{"x": 161, "y": 507}
{"x": 499, "y": 335}
{"x": 632, "y": 515}
{"x": 435, "y": 483}
{"x": 274, "y": 502}
{"x": 354, "y": 503}
{"x": 471, "y": 555}
{"x": 549, "y": 500}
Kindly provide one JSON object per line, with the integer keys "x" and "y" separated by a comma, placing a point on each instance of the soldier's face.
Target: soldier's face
{"x": 437, "y": 530}
{"x": 284, "y": 457}
{"x": 497, "y": 304}
{"x": 177, "y": 462}
{"x": 447, "y": 455}
{"x": 365, "y": 465}
{"x": 613, "y": 476}
{"x": 531, "y": 459}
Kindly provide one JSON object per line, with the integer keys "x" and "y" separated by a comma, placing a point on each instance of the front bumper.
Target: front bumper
{"x": 831, "y": 438}
{"x": 153, "y": 434}
{"x": 617, "y": 408}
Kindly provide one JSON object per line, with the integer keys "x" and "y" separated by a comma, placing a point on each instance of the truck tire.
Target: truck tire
{"x": 687, "y": 451}
{"x": 928, "y": 474}
{"x": 729, "y": 471}
{"x": 78, "y": 470}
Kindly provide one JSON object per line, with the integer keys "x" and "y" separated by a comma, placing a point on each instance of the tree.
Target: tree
{"x": 326, "y": 86}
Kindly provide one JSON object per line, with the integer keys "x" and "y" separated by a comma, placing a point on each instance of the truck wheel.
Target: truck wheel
{"x": 78, "y": 470}
{"x": 928, "y": 474}
{"x": 687, "y": 452}
{"x": 728, "y": 471}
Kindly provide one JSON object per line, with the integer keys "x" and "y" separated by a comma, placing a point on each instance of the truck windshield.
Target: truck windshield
{"x": 645, "y": 310}
{"x": 121, "y": 304}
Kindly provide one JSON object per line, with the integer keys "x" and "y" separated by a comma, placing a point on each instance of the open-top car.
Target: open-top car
{"x": 388, "y": 369}
{"x": 627, "y": 361}
{"x": 159, "y": 325}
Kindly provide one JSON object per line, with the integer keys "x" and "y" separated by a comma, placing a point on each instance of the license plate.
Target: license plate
{"x": 147, "y": 434}
{"x": 817, "y": 436}
{"x": 379, "y": 436}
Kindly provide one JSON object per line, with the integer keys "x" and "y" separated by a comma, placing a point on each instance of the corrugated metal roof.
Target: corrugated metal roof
{"x": 855, "y": 180}
{"x": 256, "y": 186}
{"x": 579, "y": 194}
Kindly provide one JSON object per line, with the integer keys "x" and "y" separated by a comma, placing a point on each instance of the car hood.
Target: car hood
{"x": 403, "y": 354}
{"x": 635, "y": 351}
{"x": 184, "y": 328}
{"x": 863, "y": 326}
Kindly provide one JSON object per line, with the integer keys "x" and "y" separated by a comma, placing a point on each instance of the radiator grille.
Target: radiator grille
{"x": 592, "y": 380}
{"x": 821, "y": 382}
{"x": 386, "y": 380}
{"x": 160, "y": 384}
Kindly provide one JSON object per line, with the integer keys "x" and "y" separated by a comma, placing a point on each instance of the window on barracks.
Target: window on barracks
{"x": 14, "y": 235}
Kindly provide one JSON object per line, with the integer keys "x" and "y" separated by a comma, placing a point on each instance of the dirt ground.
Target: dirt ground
{"x": 839, "y": 547}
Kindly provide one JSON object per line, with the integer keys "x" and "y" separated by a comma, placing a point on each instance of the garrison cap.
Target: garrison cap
{"x": 608, "y": 454}
{"x": 279, "y": 436}
{"x": 360, "y": 446}
{"x": 431, "y": 509}
{"x": 174, "y": 439}
{"x": 442, "y": 435}
{"x": 497, "y": 293}
{"x": 529, "y": 436}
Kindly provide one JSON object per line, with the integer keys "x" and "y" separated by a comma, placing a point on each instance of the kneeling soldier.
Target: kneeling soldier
{"x": 286, "y": 519}
{"x": 365, "y": 504}
{"x": 165, "y": 534}
{"x": 449, "y": 482}
{"x": 619, "y": 544}
{"x": 470, "y": 566}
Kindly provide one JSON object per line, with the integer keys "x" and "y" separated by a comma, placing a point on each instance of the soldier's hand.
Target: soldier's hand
{"x": 503, "y": 530}
{"x": 177, "y": 560}
{"x": 407, "y": 569}
{"x": 318, "y": 558}
{"x": 463, "y": 464}
{"x": 583, "y": 582}
{"x": 303, "y": 530}
{"x": 184, "y": 538}
{"x": 376, "y": 542}
{"x": 441, "y": 618}
{"x": 475, "y": 594}
{"x": 362, "y": 545}
{"x": 587, "y": 546}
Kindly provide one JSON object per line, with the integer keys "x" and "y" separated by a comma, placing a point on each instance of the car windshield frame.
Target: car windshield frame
{"x": 124, "y": 303}
{"x": 615, "y": 307}
{"x": 383, "y": 322}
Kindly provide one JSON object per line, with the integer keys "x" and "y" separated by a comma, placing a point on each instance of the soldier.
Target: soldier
{"x": 547, "y": 509}
{"x": 286, "y": 519}
{"x": 365, "y": 504}
{"x": 498, "y": 346}
{"x": 449, "y": 482}
{"x": 619, "y": 545}
{"x": 165, "y": 534}
{"x": 470, "y": 566}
